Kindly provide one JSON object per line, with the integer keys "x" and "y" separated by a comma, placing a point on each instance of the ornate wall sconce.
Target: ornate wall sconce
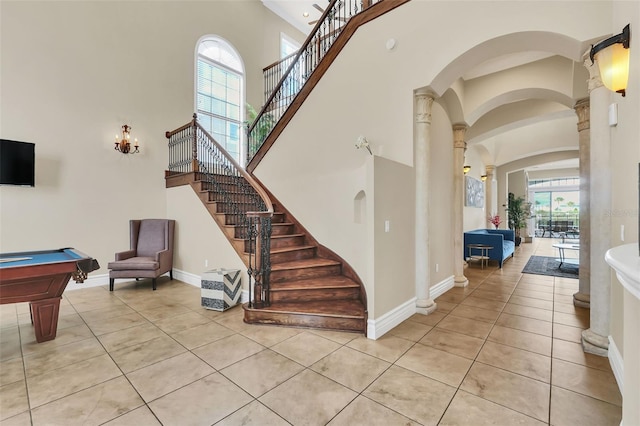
{"x": 123, "y": 144}
{"x": 612, "y": 55}
{"x": 363, "y": 143}
{"x": 466, "y": 169}
{"x": 483, "y": 178}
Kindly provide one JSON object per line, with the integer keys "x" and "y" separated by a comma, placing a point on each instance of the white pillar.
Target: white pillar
{"x": 489, "y": 190}
{"x": 423, "y": 103}
{"x": 595, "y": 339}
{"x": 582, "y": 297}
{"x": 459, "y": 146}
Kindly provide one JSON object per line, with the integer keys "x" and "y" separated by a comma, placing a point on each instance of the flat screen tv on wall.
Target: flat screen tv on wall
{"x": 17, "y": 163}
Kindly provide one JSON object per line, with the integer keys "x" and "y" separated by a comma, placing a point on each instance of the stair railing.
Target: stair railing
{"x": 245, "y": 203}
{"x": 315, "y": 47}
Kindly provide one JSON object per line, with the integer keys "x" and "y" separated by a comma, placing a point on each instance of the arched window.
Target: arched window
{"x": 220, "y": 93}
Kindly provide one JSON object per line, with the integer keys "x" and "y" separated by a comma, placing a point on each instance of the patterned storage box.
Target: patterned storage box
{"x": 221, "y": 288}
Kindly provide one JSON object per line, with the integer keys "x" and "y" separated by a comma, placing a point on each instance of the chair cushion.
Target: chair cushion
{"x": 134, "y": 263}
{"x": 152, "y": 237}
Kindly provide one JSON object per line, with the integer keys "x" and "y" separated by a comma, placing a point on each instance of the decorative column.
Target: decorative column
{"x": 489, "y": 189}
{"x": 595, "y": 339}
{"x": 583, "y": 296}
{"x": 459, "y": 147}
{"x": 423, "y": 103}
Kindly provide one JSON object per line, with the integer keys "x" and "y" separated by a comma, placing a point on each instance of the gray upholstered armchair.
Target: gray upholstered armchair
{"x": 151, "y": 254}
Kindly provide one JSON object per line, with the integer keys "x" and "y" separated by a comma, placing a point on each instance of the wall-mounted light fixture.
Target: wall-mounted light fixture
{"x": 483, "y": 178}
{"x": 466, "y": 169}
{"x": 123, "y": 144}
{"x": 612, "y": 55}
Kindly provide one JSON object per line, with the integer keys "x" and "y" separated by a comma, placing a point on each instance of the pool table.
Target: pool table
{"x": 40, "y": 277}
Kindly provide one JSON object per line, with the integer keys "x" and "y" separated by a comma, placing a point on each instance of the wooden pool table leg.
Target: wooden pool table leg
{"x": 45, "y": 318}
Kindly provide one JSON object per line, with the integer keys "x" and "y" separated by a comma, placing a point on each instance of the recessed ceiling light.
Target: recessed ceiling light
{"x": 305, "y": 14}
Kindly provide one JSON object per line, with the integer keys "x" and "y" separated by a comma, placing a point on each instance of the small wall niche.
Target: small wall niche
{"x": 360, "y": 208}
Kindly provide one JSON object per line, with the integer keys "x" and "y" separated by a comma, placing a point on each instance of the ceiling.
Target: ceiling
{"x": 292, "y": 11}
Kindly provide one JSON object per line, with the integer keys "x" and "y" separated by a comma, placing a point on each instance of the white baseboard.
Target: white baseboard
{"x": 442, "y": 287}
{"x": 91, "y": 281}
{"x": 617, "y": 364}
{"x": 187, "y": 277}
{"x": 376, "y": 328}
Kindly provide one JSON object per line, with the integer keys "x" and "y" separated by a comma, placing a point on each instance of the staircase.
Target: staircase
{"x": 307, "y": 285}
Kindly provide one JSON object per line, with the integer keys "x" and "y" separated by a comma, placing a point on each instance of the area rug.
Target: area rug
{"x": 542, "y": 265}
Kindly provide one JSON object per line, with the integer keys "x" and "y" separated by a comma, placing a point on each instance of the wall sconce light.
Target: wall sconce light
{"x": 363, "y": 143}
{"x": 483, "y": 178}
{"x": 466, "y": 169}
{"x": 612, "y": 55}
{"x": 123, "y": 145}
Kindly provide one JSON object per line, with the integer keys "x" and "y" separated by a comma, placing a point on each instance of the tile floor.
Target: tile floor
{"x": 503, "y": 351}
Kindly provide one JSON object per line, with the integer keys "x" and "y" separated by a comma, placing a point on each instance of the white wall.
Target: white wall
{"x": 72, "y": 73}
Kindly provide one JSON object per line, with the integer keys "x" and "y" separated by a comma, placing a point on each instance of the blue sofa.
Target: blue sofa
{"x": 502, "y": 241}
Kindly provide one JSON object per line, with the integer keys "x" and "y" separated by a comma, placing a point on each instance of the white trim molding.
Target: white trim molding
{"x": 617, "y": 363}
{"x": 376, "y": 328}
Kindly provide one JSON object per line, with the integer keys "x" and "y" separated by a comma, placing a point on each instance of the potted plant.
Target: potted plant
{"x": 518, "y": 212}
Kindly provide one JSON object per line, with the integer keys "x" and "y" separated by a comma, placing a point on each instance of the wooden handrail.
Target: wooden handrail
{"x": 373, "y": 11}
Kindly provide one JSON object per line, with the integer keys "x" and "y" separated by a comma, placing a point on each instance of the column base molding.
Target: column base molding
{"x": 582, "y": 300}
{"x": 426, "y": 306}
{"x": 460, "y": 281}
{"x": 594, "y": 343}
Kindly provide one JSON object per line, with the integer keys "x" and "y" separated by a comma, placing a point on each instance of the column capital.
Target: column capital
{"x": 490, "y": 170}
{"x": 459, "y": 131}
{"x": 582, "y": 110}
{"x": 594, "y": 81}
{"x": 424, "y": 102}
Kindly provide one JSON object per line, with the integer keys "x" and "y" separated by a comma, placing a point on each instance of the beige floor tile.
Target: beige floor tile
{"x": 388, "y": 348}
{"x": 181, "y": 322}
{"x": 475, "y": 313}
{"x": 10, "y": 347}
{"x": 517, "y": 361}
{"x": 61, "y": 356}
{"x": 573, "y": 352}
{"x": 13, "y": 399}
{"x": 451, "y": 297}
{"x": 106, "y": 314}
{"x": 323, "y": 398}
{"x": 63, "y": 337}
{"x": 146, "y": 353}
{"x": 454, "y": 343}
{"x": 587, "y": 381}
{"x": 226, "y": 351}
{"x": 269, "y": 335}
{"x": 130, "y": 336}
{"x": 351, "y": 368}
{"x": 535, "y": 286}
{"x": 204, "y": 402}
{"x": 365, "y": 412}
{"x": 465, "y": 326}
{"x": 202, "y": 334}
{"x": 443, "y": 306}
{"x": 491, "y": 294}
{"x": 164, "y": 311}
{"x": 140, "y": 416}
{"x": 23, "y": 419}
{"x": 525, "y": 324}
{"x": 521, "y": 339}
{"x": 340, "y": 337}
{"x": 534, "y": 294}
{"x": 579, "y": 320}
{"x": 64, "y": 381}
{"x": 570, "y": 408}
{"x": 519, "y": 393}
{"x": 306, "y": 348}
{"x": 92, "y": 406}
{"x": 413, "y": 395}
{"x": 253, "y": 414}
{"x": 410, "y": 330}
{"x": 72, "y": 320}
{"x": 468, "y": 409}
{"x": 534, "y": 303}
{"x": 570, "y": 308}
{"x": 436, "y": 364}
{"x": 11, "y": 371}
{"x": 561, "y": 298}
{"x": 432, "y": 319}
{"x": 166, "y": 376}
{"x": 529, "y": 312}
{"x": 493, "y": 305}
{"x": 261, "y": 372}
{"x": 567, "y": 332}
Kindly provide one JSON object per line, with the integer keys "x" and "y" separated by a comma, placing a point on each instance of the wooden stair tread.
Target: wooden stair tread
{"x": 337, "y": 281}
{"x": 347, "y": 308}
{"x": 305, "y": 263}
{"x": 289, "y": 249}
{"x": 286, "y": 236}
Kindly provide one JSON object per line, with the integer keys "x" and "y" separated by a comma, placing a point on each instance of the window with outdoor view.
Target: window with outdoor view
{"x": 220, "y": 93}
